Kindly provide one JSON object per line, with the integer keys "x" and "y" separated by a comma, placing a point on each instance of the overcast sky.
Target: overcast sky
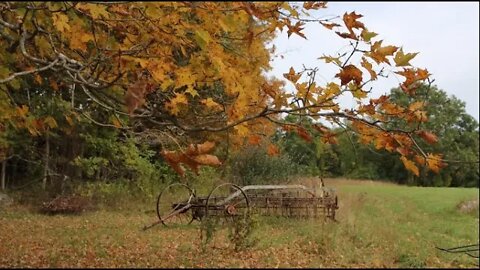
{"x": 446, "y": 35}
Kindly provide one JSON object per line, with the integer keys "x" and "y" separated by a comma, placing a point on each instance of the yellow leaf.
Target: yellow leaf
{"x": 22, "y": 111}
{"x": 179, "y": 99}
{"x": 410, "y": 165}
{"x": 356, "y": 91}
{"x": 242, "y": 130}
{"x": 435, "y": 162}
{"x": 50, "y": 121}
{"x": 210, "y": 103}
{"x": 402, "y": 59}
{"x": 292, "y": 76}
{"x": 116, "y": 123}
{"x": 60, "y": 21}
{"x": 367, "y": 36}
{"x": 81, "y": 38}
{"x": 329, "y": 59}
{"x": 415, "y": 106}
{"x": 191, "y": 91}
{"x": 203, "y": 38}
{"x": 368, "y": 66}
{"x": 69, "y": 120}
{"x": 96, "y": 10}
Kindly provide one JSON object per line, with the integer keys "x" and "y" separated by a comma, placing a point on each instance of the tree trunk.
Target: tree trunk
{"x": 46, "y": 160}
{"x": 4, "y": 172}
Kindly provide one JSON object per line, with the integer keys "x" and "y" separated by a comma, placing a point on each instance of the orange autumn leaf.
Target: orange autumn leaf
{"x": 292, "y": 76}
{"x": 410, "y": 165}
{"x": 350, "y": 73}
{"x": 420, "y": 160}
{"x": 303, "y": 133}
{"x": 428, "y": 136}
{"x": 272, "y": 150}
{"x": 209, "y": 160}
{"x": 194, "y": 157}
{"x": 254, "y": 139}
{"x": 434, "y": 162}
{"x": 296, "y": 29}
{"x": 330, "y": 25}
{"x": 379, "y": 54}
{"x": 197, "y": 149}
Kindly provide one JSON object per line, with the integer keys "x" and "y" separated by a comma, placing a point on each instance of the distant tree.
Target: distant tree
{"x": 457, "y": 133}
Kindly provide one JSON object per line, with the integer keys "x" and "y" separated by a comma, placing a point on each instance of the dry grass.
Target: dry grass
{"x": 380, "y": 225}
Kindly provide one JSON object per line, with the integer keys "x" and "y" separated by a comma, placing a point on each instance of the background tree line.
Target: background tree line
{"x": 92, "y": 158}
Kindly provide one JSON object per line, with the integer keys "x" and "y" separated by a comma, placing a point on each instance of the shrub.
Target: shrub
{"x": 253, "y": 165}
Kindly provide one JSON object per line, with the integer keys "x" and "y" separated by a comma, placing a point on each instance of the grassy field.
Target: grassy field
{"x": 380, "y": 225}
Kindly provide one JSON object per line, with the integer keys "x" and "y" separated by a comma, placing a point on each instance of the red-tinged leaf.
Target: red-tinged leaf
{"x": 314, "y": 5}
{"x": 330, "y": 25}
{"x": 329, "y": 138}
{"x": 288, "y": 128}
{"x": 347, "y": 35}
{"x": 209, "y": 160}
{"x": 303, "y": 133}
{"x": 350, "y": 73}
{"x": 351, "y": 22}
{"x": 173, "y": 159}
{"x": 410, "y": 165}
{"x": 272, "y": 150}
{"x": 420, "y": 160}
{"x": 403, "y": 151}
{"x": 198, "y": 149}
{"x": 428, "y": 136}
{"x": 54, "y": 84}
{"x": 254, "y": 139}
{"x": 296, "y": 29}
{"x": 321, "y": 128}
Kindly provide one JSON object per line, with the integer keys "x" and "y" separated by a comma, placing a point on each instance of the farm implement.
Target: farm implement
{"x": 178, "y": 203}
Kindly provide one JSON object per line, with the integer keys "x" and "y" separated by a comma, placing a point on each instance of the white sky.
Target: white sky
{"x": 446, "y": 35}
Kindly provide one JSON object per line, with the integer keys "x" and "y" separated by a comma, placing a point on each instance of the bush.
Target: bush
{"x": 253, "y": 166}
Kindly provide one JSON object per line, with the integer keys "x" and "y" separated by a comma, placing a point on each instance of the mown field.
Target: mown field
{"x": 379, "y": 225}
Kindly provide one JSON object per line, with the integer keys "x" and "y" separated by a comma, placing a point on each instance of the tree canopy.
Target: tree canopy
{"x": 181, "y": 73}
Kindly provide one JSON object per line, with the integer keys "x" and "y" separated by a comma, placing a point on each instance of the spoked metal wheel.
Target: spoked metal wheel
{"x": 227, "y": 201}
{"x": 174, "y": 205}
